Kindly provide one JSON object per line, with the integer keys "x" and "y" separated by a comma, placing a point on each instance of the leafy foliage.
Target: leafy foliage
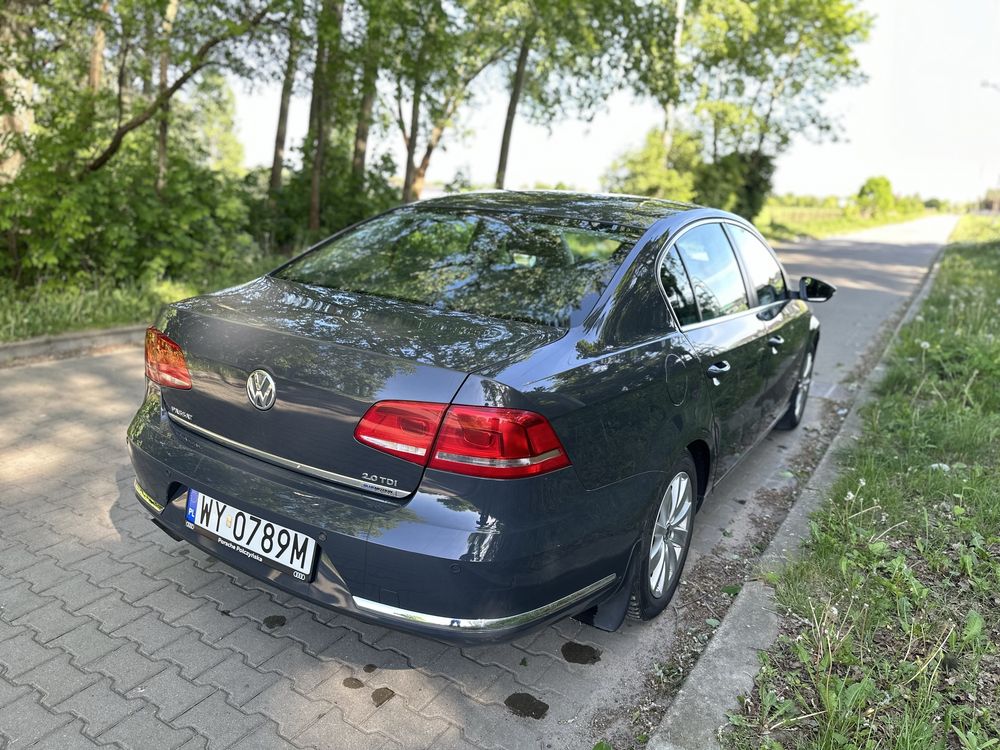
{"x": 119, "y": 167}
{"x": 646, "y": 171}
{"x": 875, "y": 196}
{"x": 753, "y": 73}
{"x": 893, "y": 625}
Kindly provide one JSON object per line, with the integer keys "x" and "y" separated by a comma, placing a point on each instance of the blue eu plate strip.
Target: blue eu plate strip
{"x": 192, "y": 506}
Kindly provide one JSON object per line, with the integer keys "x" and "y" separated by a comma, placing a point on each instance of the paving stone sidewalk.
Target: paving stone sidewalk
{"x": 111, "y": 633}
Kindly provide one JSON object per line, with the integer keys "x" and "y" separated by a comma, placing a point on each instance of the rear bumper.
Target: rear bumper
{"x": 462, "y": 560}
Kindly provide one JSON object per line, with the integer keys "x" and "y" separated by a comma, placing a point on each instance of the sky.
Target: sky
{"x": 923, "y": 119}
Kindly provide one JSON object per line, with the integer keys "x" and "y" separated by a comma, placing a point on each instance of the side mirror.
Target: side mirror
{"x": 814, "y": 290}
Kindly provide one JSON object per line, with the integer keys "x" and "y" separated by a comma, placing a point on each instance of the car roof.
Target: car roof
{"x": 634, "y": 211}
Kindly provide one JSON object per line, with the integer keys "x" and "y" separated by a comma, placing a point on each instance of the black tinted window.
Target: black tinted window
{"x": 522, "y": 267}
{"x": 678, "y": 288}
{"x": 764, "y": 271}
{"x": 714, "y": 272}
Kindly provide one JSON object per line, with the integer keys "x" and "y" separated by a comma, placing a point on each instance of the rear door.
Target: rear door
{"x": 726, "y": 336}
{"x": 786, "y": 324}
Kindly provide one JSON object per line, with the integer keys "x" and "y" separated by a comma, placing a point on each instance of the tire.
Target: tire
{"x": 797, "y": 404}
{"x": 669, "y": 524}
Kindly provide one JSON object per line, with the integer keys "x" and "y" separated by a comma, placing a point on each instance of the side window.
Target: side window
{"x": 714, "y": 272}
{"x": 764, "y": 271}
{"x": 678, "y": 288}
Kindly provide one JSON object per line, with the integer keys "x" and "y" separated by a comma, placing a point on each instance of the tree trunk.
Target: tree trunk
{"x": 517, "y": 86}
{"x": 328, "y": 34}
{"x": 280, "y": 136}
{"x": 411, "y": 144}
{"x": 369, "y": 78}
{"x": 670, "y": 123}
{"x": 149, "y": 42}
{"x": 316, "y": 94}
{"x": 161, "y": 143}
{"x": 96, "y": 71}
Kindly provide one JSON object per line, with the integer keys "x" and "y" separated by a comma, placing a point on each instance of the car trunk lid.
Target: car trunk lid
{"x": 331, "y": 355}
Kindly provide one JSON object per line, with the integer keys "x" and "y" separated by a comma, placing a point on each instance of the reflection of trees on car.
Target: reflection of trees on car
{"x": 502, "y": 265}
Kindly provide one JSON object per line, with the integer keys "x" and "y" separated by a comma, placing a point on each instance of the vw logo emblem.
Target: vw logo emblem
{"x": 261, "y": 390}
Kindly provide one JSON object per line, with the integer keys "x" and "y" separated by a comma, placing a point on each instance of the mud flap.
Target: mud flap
{"x": 610, "y": 614}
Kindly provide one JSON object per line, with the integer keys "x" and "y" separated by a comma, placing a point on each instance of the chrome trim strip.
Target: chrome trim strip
{"x": 285, "y": 463}
{"x": 672, "y": 240}
{"x": 487, "y": 625}
{"x": 733, "y": 316}
{"x": 146, "y": 497}
{"x": 499, "y": 463}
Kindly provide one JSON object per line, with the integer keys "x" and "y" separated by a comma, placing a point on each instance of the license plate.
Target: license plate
{"x": 251, "y": 535}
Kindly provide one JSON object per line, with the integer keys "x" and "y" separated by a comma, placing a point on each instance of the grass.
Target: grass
{"x": 791, "y": 223}
{"x": 891, "y": 627}
{"x": 59, "y": 308}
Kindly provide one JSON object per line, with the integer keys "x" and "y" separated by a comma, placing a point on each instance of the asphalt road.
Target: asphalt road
{"x": 110, "y": 632}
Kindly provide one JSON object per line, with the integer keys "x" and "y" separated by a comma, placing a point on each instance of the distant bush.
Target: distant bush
{"x": 875, "y": 197}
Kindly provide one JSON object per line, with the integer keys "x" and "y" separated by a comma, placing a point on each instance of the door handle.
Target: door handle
{"x": 719, "y": 368}
{"x": 776, "y": 341}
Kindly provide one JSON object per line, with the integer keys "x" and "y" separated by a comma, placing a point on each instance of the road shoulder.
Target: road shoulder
{"x": 730, "y": 663}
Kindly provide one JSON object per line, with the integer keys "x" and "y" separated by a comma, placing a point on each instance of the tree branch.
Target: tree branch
{"x": 200, "y": 61}
{"x": 400, "y": 121}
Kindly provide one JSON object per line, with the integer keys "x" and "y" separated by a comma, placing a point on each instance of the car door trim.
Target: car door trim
{"x": 285, "y": 463}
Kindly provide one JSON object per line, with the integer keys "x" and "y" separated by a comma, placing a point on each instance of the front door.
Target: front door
{"x": 786, "y": 322}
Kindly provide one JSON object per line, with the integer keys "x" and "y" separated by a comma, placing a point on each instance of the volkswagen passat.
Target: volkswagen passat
{"x": 470, "y": 416}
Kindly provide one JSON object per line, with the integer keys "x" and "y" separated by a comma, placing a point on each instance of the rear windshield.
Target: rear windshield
{"x": 531, "y": 268}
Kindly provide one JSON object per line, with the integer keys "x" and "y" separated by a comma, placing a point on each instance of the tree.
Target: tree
{"x": 372, "y": 59}
{"x": 645, "y": 172}
{"x": 169, "y": 16}
{"x": 875, "y": 197}
{"x": 653, "y": 33}
{"x": 562, "y": 61}
{"x": 322, "y": 111}
{"x": 70, "y": 206}
{"x": 440, "y": 50}
{"x": 287, "y": 84}
{"x": 763, "y": 70}
{"x": 760, "y": 71}
{"x": 96, "y": 69}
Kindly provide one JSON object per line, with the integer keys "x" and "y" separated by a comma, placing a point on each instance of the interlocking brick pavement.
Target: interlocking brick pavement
{"x": 111, "y": 633}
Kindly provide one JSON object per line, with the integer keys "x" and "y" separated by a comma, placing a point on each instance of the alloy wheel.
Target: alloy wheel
{"x": 670, "y": 533}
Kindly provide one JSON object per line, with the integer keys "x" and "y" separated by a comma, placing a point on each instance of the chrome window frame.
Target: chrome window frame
{"x": 751, "y": 293}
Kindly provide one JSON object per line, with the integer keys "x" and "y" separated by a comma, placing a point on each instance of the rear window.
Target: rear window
{"x": 520, "y": 267}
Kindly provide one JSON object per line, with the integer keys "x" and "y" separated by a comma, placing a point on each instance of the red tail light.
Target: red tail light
{"x": 165, "y": 363}
{"x": 401, "y": 428}
{"x": 501, "y": 443}
{"x": 476, "y": 440}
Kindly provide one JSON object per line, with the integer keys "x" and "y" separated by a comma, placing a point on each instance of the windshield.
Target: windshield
{"x": 533, "y": 268}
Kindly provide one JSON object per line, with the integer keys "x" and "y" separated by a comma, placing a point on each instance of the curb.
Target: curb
{"x": 727, "y": 669}
{"x": 70, "y": 344}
